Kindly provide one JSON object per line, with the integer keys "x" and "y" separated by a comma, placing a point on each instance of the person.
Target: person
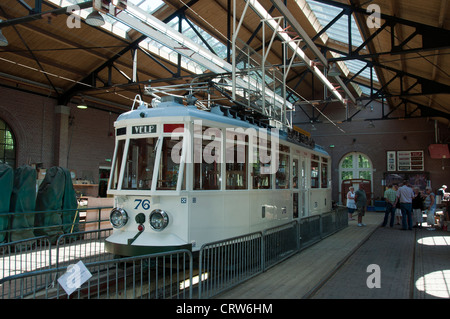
{"x": 398, "y": 210}
{"x": 405, "y": 195}
{"x": 351, "y": 206}
{"x": 442, "y": 192}
{"x": 390, "y": 197}
{"x": 430, "y": 206}
{"x": 417, "y": 206}
{"x": 361, "y": 202}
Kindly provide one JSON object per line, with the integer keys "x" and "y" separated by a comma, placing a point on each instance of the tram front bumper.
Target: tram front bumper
{"x": 127, "y": 243}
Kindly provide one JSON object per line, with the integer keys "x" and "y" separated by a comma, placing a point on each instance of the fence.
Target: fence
{"x": 156, "y": 276}
{"x": 218, "y": 267}
{"x": 228, "y": 263}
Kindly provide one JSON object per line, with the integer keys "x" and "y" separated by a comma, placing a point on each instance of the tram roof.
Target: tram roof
{"x": 172, "y": 108}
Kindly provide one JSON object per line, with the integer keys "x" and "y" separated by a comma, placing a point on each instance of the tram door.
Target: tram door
{"x": 303, "y": 198}
{"x": 299, "y": 187}
{"x": 295, "y": 186}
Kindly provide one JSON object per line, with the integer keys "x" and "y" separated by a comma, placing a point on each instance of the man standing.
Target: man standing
{"x": 405, "y": 195}
{"x": 361, "y": 202}
{"x": 390, "y": 197}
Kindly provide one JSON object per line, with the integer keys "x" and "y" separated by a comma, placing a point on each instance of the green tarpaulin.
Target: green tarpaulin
{"x": 49, "y": 198}
{"x": 6, "y": 186}
{"x": 23, "y": 200}
{"x": 56, "y": 194}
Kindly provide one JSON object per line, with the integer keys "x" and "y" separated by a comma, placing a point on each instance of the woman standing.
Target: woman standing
{"x": 351, "y": 205}
{"x": 430, "y": 206}
{"x": 417, "y": 205}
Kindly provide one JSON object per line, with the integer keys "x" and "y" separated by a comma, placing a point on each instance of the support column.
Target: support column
{"x": 61, "y": 135}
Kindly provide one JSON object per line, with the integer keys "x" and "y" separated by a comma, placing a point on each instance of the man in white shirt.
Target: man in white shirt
{"x": 405, "y": 195}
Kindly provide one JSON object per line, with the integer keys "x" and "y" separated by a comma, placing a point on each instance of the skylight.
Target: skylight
{"x": 339, "y": 32}
{"x": 149, "y": 6}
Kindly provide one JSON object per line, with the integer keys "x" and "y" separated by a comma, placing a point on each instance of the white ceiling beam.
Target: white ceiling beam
{"x": 152, "y": 27}
{"x": 302, "y": 33}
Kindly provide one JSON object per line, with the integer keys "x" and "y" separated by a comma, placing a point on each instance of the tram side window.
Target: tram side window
{"x": 324, "y": 175}
{"x": 295, "y": 173}
{"x": 169, "y": 164}
{"x": 262, "y": 179}
{"x": 236, "y": 158}
{"x": 140, "y": 162}
{"x": 315, "y": 174}
{"x": 207, "y": 166}
{"x": 282, "y": 175}
{"x": 118, "y": 161}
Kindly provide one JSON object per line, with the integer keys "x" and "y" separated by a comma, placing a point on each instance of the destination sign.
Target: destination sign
{"x": 143, "y": 129}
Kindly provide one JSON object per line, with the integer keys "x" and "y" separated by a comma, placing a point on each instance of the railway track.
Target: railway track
{"x": 381, "y": 266}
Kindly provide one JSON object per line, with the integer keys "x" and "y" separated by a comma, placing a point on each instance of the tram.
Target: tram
{"x": 182, "y": 177}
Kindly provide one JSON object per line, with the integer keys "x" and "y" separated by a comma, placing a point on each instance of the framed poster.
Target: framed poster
{"x": 391, "y": 161}
{"x": 410, "y": 161}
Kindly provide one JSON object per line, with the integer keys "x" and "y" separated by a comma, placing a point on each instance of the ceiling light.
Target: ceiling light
{"x": 95, "y": 19}
{"x": 82, "y": 105}
{"x": 334, "y": 71}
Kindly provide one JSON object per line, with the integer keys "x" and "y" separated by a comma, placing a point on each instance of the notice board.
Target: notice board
{"x": 405, "y": 161}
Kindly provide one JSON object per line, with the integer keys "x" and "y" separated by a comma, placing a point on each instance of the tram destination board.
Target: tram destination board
{"x": 143, "y": 129}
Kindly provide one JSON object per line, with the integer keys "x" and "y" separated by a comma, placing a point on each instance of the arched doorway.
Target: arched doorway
{"x": 355, "y": 165}
{"x": 7, "y": 145}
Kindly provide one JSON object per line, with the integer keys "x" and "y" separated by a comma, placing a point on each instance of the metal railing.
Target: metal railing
{"x": 220, "y": 265}
{"x": 79, "y": 221}
{"x": 25, "y": 255}
{"x": 87, "y": 246}
{"x": 227, "y": 263}
{"x": 156, "y": 276}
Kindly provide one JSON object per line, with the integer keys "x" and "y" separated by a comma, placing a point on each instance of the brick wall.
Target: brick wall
{"x": 387, "y": 135}
{"x": 31, "y": 117}
{"x": 91, "y": 139}
{"x": 33, "y": 121}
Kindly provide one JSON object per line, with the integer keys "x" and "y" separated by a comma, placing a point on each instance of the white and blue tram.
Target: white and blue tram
{"x": 182, "y": 177}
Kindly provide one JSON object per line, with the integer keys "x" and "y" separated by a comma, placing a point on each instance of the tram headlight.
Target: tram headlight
{"x": 158, "y": 219}
{"x": 118, "y": 217}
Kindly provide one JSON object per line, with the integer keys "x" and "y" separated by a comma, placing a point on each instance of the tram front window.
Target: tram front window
{"x": 118, "y": 161}
{"x": 139, "y": 164}
{"x": 170, "y": 164}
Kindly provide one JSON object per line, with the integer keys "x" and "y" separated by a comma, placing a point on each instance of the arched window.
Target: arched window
{"x": 7, "y": 145}
{"x": 355, "y": 165}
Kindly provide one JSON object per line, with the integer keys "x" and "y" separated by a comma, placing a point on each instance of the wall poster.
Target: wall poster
{"x": 410, "y": 161}
{"x": 391, "y": 161}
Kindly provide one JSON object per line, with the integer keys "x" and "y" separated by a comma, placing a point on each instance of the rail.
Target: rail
{"x": 155, "y": 276}
{"x": 30, "y": 268}
{"x": 226, "y": 264}
{"x": 81, "y": 219}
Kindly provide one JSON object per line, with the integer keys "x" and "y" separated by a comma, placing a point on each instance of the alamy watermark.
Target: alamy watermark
{"x": 207, "y": 146}
{"x": 74, "y": 277}
{"x": 374, "y": 279}
{"x": 73, "y": 20}
{"x": 374, "y": 19}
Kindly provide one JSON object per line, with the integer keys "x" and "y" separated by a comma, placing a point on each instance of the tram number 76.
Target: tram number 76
{"x": 144, "y": 203}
